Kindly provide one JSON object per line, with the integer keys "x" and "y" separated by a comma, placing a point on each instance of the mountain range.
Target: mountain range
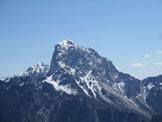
{"x": 79, "y": 86}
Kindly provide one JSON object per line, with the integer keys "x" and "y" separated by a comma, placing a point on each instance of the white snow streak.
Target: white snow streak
{"x": 65, "y": 88}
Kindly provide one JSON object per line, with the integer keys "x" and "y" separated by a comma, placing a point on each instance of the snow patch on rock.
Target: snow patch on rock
{"x": 65, "y": 88}
{"x": 150, "y": 86}
{"x": 119, "y": 87}
{"x": 88, "y": 82}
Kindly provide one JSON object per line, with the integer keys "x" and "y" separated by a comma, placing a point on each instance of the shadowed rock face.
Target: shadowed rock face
{"x": 153, "y": 86}
{"x": 79, "y": 85}
{"x": 28, "y": 103}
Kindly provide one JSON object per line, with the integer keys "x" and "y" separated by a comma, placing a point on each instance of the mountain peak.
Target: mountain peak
{"x": 69, "y": 54}
{"x": 67, "y": 43}
{"x": 39, "y": 65}
{"x": 35, "y": 70}
{"x": 83, "y": 64}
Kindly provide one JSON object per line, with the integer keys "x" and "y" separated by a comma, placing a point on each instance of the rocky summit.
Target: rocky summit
{"x": 79, "y": 86}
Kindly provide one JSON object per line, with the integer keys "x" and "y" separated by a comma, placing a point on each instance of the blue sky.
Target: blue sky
{"x": 128, "y": 32}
